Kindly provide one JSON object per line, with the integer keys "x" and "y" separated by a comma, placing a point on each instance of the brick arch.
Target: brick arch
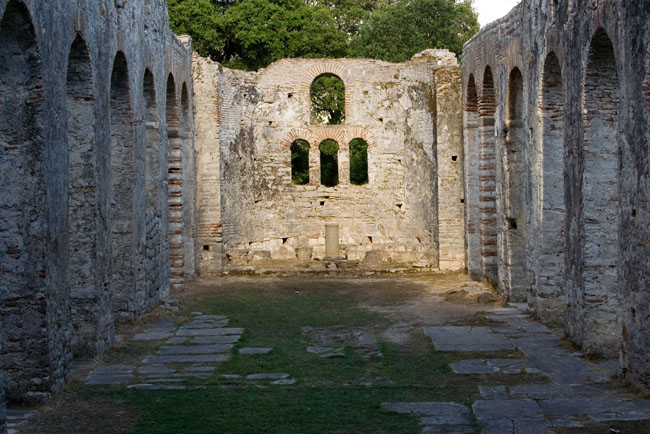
{"x": 336, "y": 134}
{"x": 296, "y": 134}
{"x": 360, "y": 133}
{"x": 326, "y": 67}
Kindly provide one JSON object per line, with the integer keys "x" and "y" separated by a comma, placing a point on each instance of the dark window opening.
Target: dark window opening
{"x": 206, "y": 247}
{"x": 358, "y": 162}
{"x": 327, "y": 100}
{"x": 454, "y": 157}
{"x": 329, "y": 163}
{"x": 300, "y": 162}
{"x": 512, "y": 223}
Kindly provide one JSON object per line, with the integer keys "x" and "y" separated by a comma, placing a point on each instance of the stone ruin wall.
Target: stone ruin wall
{"x": 410, "y": 211}
{"x": 91, "y": 91}
{"x": 556, "y": 127}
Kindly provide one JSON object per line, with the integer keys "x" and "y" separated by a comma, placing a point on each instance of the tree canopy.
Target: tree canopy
{"x": 251, "y": 34}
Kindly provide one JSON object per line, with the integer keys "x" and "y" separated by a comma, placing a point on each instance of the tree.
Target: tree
{"x": 398, "y": 31}
{"x": 263, "y": 31}
{"x": 202, "y": 20}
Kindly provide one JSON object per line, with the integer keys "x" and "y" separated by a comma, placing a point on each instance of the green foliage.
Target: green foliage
{"x": 328, "y": 100}
{"x": 399, "y": 31}
{"x": 300, "y": 162}
{"x": 202, "y": 20}
{"x": 251, "y": 34}
{"x": 358, "y": 161}
{"x": 329, "y": 163}
{"x": 263, "y": 31}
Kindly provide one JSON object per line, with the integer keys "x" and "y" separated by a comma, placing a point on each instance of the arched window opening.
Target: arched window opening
{"x": 327, "y": 94}
{"x": 516, "y": 232}
{"x": 329, "y": 163}
{"x": 549, "y": 283}
{"x": 123, "y": 178}
{"x": 82, "y": 203}
{"x": 358, "y": 162}
{"x": 600, "y": 200}
{"x": 300, "y": 162}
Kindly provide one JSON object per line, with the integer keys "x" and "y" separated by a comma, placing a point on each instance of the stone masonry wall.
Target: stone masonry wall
{"x": 83, "y": 203}
{"x": 409, "y": 114}
{"x": 570, "y": 164}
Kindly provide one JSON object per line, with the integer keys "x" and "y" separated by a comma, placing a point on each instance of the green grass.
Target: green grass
{"x": 329, "y": 395}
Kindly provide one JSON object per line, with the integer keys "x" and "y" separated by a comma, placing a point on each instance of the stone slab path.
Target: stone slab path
{"x": 575, "y": 391}
{"x": 191, "y": 350}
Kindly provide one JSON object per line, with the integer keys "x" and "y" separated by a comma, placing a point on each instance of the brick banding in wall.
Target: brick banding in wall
{"x": 487, "y": 177}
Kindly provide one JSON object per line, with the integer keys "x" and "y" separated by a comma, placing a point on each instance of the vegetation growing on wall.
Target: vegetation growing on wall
{"x": 251, "y": 34}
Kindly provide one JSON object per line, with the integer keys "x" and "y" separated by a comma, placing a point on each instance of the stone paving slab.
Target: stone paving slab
{"x": 516, "y": 426}
{"x": 196, "y": 349}
{"x": 493, "y": 392}
{"x": 211, "y": 331}
{"x": 447, "y": 429}
{"x": 255, "y": 350}
{"x": 200, "y": 368}
{"x": 592, "y": 407}
{"x": 467, "y": 338}
{"x": 198, "y": 358}
{"x": 108, "y": 379}
{"x": 550, "y": 391}
{"x": 273, "y": 376}
{"x": 476, "y": 366}
{"x": 225, "y": 339}
{"x": 507, "y": 409}
{"x": 156, "y": 387}
{"x": 156, "y": 369}
{"x": 152, "y": 336}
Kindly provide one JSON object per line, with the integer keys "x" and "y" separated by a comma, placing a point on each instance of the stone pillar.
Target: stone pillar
{"x": 449, "y": 147}
{"x": 332, "y": 240}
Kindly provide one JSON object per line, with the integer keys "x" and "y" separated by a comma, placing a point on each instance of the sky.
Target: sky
{"x": 490, "y": 10}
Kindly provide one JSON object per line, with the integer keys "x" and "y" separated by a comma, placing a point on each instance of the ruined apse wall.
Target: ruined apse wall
{"x": 84, "y": 205}
{"x": 409, "y": 212}
{"x": 556, "y": 123}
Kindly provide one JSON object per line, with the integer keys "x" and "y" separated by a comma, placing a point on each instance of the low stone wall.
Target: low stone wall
{"x": 410, "y": 210}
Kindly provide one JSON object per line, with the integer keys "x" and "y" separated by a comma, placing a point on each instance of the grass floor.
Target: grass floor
{"x": 329, "y": 395}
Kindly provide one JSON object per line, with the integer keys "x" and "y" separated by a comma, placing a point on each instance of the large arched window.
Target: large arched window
{"x": 327, "y": 94}
{"x": 300, "y": 162}
{"x": 329, "y": 163}
{"x": 358, "y": 162}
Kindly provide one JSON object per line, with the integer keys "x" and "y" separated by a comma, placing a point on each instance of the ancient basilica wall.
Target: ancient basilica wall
{"x": 85, "y": 219}
{"x": 556, "y": 140}
{"x": 409, "y": 115}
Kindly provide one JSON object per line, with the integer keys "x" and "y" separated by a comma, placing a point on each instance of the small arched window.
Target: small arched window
{"x": 358, "y": 162}
{"x": 300, "y": 162}
{"x": 327, "y": 95}
{"x": 329, "y": 163}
